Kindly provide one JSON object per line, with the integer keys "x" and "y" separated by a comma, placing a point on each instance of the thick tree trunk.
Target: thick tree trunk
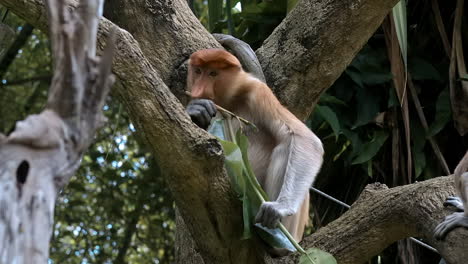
{"x": 193, "y": 160}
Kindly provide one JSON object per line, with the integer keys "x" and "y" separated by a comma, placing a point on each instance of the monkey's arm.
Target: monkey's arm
{"x": 295, "y": 162}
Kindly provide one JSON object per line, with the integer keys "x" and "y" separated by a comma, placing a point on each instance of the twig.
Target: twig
{"x": 225, "y": 111}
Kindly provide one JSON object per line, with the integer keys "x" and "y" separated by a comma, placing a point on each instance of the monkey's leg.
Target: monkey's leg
{"x": 450, "y": 222}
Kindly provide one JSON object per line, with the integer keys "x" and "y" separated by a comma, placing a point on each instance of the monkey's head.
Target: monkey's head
{"x": 213, "y": 74}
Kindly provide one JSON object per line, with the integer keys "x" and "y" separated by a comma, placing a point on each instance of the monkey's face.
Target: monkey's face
{"x": 211, "y": 83}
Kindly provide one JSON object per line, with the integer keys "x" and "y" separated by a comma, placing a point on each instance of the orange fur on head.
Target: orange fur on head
{"x": 214, "y": 58}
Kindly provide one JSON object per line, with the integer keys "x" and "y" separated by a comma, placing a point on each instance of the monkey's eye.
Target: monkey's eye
{"x": 213, "y": 74}
{"x": 197, "y": 70}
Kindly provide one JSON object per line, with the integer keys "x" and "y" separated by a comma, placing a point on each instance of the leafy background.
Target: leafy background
{"x": 117, "y": 209}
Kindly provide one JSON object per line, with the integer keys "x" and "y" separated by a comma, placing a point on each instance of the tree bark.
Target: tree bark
{"x": 310, "y": 49}
{"x": 305, "y": 54}
{"x": 192, "y": 159}
{"x": 38, "y": 158}
{"x": 382, "y": 216}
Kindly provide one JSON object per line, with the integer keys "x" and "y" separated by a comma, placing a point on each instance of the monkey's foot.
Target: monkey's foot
{"x": 455, "y": 202}
{"x": 450, "y": 222}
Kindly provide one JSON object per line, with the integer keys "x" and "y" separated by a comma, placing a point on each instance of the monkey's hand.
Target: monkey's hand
{"x": 201, "y": 111}
{"x": 271, "y": 213}
{"x": 450, "y": 222}
{"x": 455, "y": 202}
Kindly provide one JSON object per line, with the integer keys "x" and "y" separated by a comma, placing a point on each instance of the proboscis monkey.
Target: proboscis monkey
{"x": 459, "y": 218}
{"x": 285, "y": 155}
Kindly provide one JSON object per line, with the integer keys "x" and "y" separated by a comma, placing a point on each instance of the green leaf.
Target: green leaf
{"x": 330, "y": 117}
{"x": 274, "y": 237}
{"x": 355, "y": 140}
{"x": 246, "y": 216}
{"x": 291, "y": 5}
{"x": 399, "y": 17}
{"x": 234, "y": 165}
{"x": 423, "y": 70}
{"x": 368, "y": 75}
{"x": 419, "y": 142}
{"x": 371, "y": 148}
{"x": 443, "y": 113}
{"x": 330, "y": 99}
{"x": 419, "y": 162}
{"x": 244, "y": 146}
{"x": 317, "y": 256}
{"x": 369, "y": 67}
{"x": 368, "y": 105}
{"x": 216, "y": 129}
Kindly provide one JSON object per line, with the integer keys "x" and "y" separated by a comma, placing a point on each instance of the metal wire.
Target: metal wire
{"x": 417, "y": 241}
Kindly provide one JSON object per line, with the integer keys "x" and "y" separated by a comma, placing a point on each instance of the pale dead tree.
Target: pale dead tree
{"x": 38, "y": 158}
{"x": 301, "y": 59}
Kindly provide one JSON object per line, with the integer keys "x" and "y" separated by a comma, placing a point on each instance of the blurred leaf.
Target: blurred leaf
{"x": 291, "y": 5}
{"x": 443, "y": 113}
{"x": 368, "y": 76}
{"x": 368, "y": 106}
{"x": 317, "y": 256}
{"x": 420, "y": 69}
{"x": 274, "y": 237}
{"x": 356, "y": 142}
{"x": 371, "y": 148}
{"x": 369, "y": 67}
{"x": 216, "y": 128}
{"x": 419, "y": 141}
{"x": 234, "y": 165}
{"x": 215, "y": 13}
{"x": 330, "y": 117}
{"x": 419, "y": 162}
{"x": 392, "y": 98}
{"x": 234, "y": 3}
{"x": 399, "y": 18}
{"x": 330, "y": 99}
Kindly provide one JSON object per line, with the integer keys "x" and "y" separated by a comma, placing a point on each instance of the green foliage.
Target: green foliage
{"x": 371, "y": 148}
{"x": 399, "y": 18}
{"x": 317, "y": 256}
{"x": 252, "y": 195}
{"x": 215, "y": 13}
{"x": 249, "y": 20}
{"x": 443, "y": 113}
{"x": 330, "y": 117}
{"x": 26, "y": 97}
{"x": 117, "y": 207}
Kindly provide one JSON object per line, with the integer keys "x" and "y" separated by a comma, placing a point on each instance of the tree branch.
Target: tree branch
{"x": 310, "y": 49}
{"x": 382, "y": 216}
